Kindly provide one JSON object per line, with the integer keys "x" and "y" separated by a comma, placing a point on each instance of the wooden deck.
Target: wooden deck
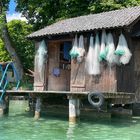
{"x": 106, "y": 94}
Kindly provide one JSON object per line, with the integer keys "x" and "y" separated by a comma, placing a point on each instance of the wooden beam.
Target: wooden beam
{"x": 107, "y": 95}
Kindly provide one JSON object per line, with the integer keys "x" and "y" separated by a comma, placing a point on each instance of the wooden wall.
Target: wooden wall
{"x": 106, "y": 82}
{"x": 81, "y": 81}
{"x": 125, "y": 73}
{"x": 61, "y": 83}
{"x": 136, "y": 43}
{"x": 117, "y": 78}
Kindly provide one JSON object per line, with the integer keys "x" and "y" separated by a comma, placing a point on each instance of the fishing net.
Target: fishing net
{"x": 92, "y": 60}
{"x": 41, "y": 54}
{"x": 74, "y": 51}
{"x": 120, "y": 47}
{"x": 42, "y": 51}
{"x": 110, "y": 50}
{"x": 96, "y": 62}
{"x": 102, "y": 55}
{"x": 89, "y": 58}
{"x": 125, "y": 58}
{"x": 81, "y": 49}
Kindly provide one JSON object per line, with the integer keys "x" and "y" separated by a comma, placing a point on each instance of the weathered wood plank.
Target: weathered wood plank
{"x": 136, "y": 43}
{"x": 77, "y": 76}
{"x": 115, "y": 95}
{"x": 125, "y": 74}
{"x": 105, "y": 82}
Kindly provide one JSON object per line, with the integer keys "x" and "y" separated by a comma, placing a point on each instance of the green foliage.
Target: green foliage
{"x": 3, "y": 8}
{"x": 26, "y": 83}
{"x": 41, "y": 13}
{"x": 18, "y": 31}
{"x": 108, "y": 5}
{"x": 4, "y": 3}
{"x": 4, "y": 56}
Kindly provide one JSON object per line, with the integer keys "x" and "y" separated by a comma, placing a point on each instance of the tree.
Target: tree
{"x": 97, "y": 6}
{"x": 6, "y": 38}
{"x": 41, "y": 13}
{"x": 4, "y": 56}
{"x": 18, "y": 31}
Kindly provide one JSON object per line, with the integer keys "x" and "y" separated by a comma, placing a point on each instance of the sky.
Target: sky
{"x": 12, "y": 14}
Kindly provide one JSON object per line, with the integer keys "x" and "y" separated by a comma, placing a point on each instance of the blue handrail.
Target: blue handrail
{"x": 4, "y": 81}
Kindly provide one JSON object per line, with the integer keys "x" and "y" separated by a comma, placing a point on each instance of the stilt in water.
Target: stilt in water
{"x": 1, "y": 112}
{"x": 4, "y": 106}
{"x": 77, "y": 108}
{"x": 74, "y": 109}
{"x": 37, "y": 108}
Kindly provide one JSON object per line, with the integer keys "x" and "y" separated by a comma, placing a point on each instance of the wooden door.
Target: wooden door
{"x": 62, "y": 81}
{"x": 77, "y": 76}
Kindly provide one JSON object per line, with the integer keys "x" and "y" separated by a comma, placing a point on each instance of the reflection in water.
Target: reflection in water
{"x": 70, "y": 131}
{"x": 17, "y": 107}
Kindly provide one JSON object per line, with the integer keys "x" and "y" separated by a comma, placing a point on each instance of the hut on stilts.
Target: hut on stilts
{"x": 93, "y": 55}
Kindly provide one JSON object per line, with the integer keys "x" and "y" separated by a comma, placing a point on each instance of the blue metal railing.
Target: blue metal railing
{"x": 4, "y": 80}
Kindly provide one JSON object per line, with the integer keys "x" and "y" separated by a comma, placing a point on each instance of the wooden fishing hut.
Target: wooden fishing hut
{"x": 63, "y": 75}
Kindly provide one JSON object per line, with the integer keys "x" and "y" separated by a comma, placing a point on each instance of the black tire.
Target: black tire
{"x": 97, "y": 96}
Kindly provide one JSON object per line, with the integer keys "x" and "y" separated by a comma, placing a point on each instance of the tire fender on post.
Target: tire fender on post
{"x": 98, "y": 96}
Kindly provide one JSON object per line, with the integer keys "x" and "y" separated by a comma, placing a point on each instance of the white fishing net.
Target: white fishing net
{"x": 42, "y": 51}
{"x": 103, "y": 46}
{"x": 96, "y": 62}
{"x": 90, "y": 55}
{"x": 110, "y": 49}
{"x": 81, "y": 49}
{"x": 74, "y": 51}
{"x": 125, "y": 58}
{"x": 92, "y": 60}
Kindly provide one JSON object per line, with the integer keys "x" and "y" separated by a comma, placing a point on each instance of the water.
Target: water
{"x": 19, "y": 125}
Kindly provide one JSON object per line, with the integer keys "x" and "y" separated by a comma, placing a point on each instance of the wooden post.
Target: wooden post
{"x": 6, "y": 100}
{"x": 37, "y": 108}
{"x": 1, "y": 112}
{"x": 77, "y": 107}
{"x": 74, "y": 109}
{"x": 4, "y": 106}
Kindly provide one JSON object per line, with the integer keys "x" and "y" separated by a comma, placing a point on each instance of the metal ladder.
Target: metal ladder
{"x": 4, "y": 81}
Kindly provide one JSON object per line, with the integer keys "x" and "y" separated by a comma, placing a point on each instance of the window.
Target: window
{"x": 65, "y": 58}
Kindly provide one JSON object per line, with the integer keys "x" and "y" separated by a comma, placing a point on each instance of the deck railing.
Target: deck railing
{"x": 4, "y": 80}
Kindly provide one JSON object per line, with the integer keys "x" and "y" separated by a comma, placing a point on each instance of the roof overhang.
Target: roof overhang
{"x": 124, "y": 18}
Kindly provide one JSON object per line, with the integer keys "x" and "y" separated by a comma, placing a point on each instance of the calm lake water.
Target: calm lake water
{"x": 19, "y": 125}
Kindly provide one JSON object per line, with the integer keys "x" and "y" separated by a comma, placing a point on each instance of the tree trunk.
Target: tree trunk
{"x": 10, "y": 49}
